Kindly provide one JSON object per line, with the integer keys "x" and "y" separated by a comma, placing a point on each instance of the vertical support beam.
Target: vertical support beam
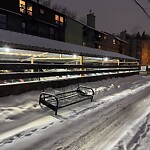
{"x": 60, "y": 56}
{"x": 118, "y": 62}
{"x": 76, "y": 62}
{"x": 81, "y": 63}
{"x": 32, "y": 62}
{"x": 81, "y": 60}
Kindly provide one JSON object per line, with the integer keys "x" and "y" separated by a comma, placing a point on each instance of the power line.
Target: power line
{"x": 142, "y": 8}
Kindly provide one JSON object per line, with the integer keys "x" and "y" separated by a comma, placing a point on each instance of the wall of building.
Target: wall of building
{"x": 12, "y": 5}
{"x": 39, "y": 24}
{"x": 73, "y": 31}
{"x": 113, "y": 44}
{"x": 88, "y": 36}
{"x": 42, "y": 21}
{"x": 145, "y": 53}
{"x": 135, "y": 48}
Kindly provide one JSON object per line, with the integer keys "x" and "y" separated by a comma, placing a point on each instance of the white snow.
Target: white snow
{"x": 118, "y": 118}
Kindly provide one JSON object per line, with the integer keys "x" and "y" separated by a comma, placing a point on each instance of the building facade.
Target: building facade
{"x": 145, "y": 60}
{"x": 73, "y": 31}
{"x": 30, "y": 17}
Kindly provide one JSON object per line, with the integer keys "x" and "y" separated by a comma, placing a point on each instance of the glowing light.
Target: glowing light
{"x": 74, "y": 56}
{"x": 7, "y": 49}
{"x": 106, "y": 59}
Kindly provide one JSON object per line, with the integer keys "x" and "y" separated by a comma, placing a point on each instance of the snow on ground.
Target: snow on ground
{"x": 118, "y": 118}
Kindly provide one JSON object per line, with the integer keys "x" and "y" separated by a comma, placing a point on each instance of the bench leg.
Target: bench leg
{"x": 55, "y": 112}
{"x": 91, "y": 99}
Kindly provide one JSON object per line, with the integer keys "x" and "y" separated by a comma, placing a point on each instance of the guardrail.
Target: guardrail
{"x": 17, "y": 71}
{"x": 38, "y": 72}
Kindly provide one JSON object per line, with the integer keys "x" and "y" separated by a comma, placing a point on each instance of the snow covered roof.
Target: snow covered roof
{"x": 121, "y": 40}
{"x": 34, "y": 42}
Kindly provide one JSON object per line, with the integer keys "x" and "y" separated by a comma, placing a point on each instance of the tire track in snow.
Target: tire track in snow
{"x": 106, "y": 117}
{"x": 99, "y": 137}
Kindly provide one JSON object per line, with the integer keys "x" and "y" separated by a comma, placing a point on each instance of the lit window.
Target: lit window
{"x": 84, "y": 44}
{"x": 105, "y": 37}
{"x": 99, "y": 47}
{"x": 22, "y": 5}
{"x": 56, "y": 19}
{"x": 42, "y": 11}
{"x": 25, "y": 9}
{"x": 29, "y": 9}
{"x": 114, "y": 41}
{"x": 99, "y": 36}
{"x": 61, "y": 20}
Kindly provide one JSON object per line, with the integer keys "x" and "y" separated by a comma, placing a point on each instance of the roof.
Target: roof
{"x": 121, "y": 40}
{"x": 39, "y": 43}
{"x": 88, "y": 27}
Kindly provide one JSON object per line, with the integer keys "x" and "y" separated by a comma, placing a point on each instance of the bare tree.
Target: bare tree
{"x": 82, "y": 20}
{"x": 47, "y": 3}
{"x": 72, "y": 15}
{"x": 64, "y": 10}
{"x": 56, "y": 7}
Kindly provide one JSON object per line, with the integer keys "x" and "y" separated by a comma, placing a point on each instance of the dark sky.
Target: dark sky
{"x": 113, "y": 15}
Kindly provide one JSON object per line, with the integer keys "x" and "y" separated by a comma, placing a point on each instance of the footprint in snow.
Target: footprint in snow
{"x": 31, "y": 132}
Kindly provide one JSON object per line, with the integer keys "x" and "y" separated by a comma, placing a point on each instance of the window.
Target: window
{"x": 99, "y": 46}
{"x": 23, "y": 27}
{"x": 42, "y": 11}
{"x": 105, "y": 37}
{"x": 56, "y": 19}
{"x": 2, "y": 21}
{"x": 29, "y": 9}
{"x": 25, "y": 8}
{"x": 59, "y": 20}
{"x": 114, "y": 41}
{"x": 84, "y": 44}
{"x": 22, "y": 6}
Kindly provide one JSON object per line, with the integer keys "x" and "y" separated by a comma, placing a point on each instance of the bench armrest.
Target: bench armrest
{"x": 44, "y": 97}
{"x": 86, "y": 90}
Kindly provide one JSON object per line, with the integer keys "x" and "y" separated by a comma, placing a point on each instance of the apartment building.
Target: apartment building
{"x": 30, "y": 17}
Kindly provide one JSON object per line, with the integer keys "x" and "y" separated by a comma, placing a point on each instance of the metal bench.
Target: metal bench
{"x": 61, "y": 100}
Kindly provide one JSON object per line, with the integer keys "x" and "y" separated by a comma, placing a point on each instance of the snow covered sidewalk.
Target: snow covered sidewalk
{"x": 119, "y": 104}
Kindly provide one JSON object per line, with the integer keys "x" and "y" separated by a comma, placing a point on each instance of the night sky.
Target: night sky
{"x": 113, "y": 15}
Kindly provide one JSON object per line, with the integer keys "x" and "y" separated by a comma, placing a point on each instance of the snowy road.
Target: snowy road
{"x": 110, "y": 122}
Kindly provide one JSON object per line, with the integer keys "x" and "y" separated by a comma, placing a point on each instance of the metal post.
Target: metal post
{"x": 81, "y": 63}
{"x": 118, "y": 62}
{"x": 32, "y": 61}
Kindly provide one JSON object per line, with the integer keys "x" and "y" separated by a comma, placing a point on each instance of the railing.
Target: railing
{"x": 25, "y": 71}
{"x": 32, "y": 76}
